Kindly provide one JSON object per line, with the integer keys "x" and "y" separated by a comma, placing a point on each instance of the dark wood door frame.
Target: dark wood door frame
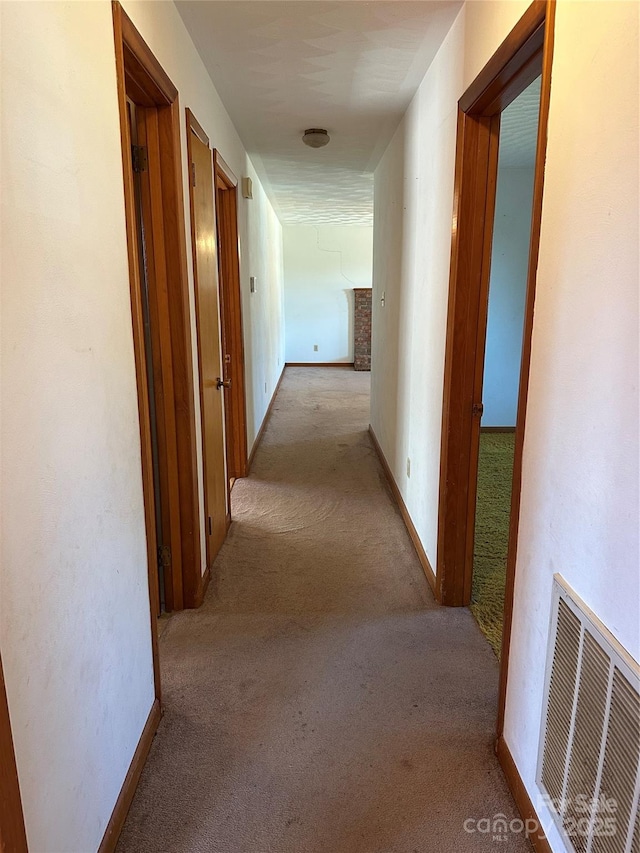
{"x": 226, "y": 185}
{"x": 523, "y": 56}
{"x": 13, "y": 838}
{"x": 141, "y": 79}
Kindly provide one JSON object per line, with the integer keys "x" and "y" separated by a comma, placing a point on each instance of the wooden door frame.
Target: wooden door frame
{"x": 194, "y": 126}
{"x": 525, "y": 54}
{"x": 141, "y": 78}
{"x": 226, "y": 182}
{"x": 13, "y": 837}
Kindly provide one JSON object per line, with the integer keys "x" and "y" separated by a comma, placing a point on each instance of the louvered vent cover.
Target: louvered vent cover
{"x": 589, "y": 762}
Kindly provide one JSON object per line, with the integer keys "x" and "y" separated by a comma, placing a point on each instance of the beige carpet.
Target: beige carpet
{"x": 319, "y": 701}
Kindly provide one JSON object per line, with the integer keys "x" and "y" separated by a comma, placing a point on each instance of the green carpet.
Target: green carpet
{"x": 493, "y": 506}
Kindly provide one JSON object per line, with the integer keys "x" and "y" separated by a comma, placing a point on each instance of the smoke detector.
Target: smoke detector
{"x": 315, "y": 137}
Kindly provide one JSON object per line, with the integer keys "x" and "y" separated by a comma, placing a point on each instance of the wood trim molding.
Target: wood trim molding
{"x": 486, "y": 95}
{"x": 141, "y": 65}
{"x": 135, "y": 288}
{"x": 265, "y": 421}
{"x": 224, "y": 170}
{"x": 404, "y": 512}
{"x": 125, "y": 798}
{"x": 346, "y": 364}
{"x": 194, "y": 125}
{"x": 469, "y": 279}
{"x": 490, "y": 188}
{"x": 232, "y": 326}
{"x": 13, "y": 837}
{"x": 525, "y": 364}
{"x": 184, "y": 388}
{"x": 523, "y": 802}
{"x": 152, "y": 206}
{"x": 204, "y": 585}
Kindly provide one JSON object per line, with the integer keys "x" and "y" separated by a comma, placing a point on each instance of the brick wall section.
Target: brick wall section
{"x": 362, "y": 328}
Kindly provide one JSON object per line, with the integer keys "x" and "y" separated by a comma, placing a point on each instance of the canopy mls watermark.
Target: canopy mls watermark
{"x": 583, "y": 817}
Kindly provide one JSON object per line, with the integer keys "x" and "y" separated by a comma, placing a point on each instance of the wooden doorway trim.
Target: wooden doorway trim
{"x": 226, "y": 184}
{"x": 13, "y": 837}
{"x": 141, "y": 79}
{"x": 202, "y": 205}
{"x": 525, "y": 54}
{"x": 193, "y": 125}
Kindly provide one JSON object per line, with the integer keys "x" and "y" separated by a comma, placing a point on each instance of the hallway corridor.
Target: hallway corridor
{"x": 319, "y": 701}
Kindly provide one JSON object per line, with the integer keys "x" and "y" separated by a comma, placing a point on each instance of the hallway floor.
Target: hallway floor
{"x": 320, "y": 701}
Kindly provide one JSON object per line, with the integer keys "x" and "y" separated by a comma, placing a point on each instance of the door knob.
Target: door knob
{"x": 223, "y": 383}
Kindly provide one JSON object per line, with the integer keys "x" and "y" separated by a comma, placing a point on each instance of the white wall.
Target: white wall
{"x": 74, "y": 606}
{"x": 263, "y": 311}
{"x": 413, "y": 200}
{"x": 322, "y": 265}
{"x": 580, "y": 482}
{"x": 580, "y": 507}
{"x": 507, "y": 290}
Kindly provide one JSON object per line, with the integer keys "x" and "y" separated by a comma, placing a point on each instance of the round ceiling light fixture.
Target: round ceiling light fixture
{"x": 315, "y": 137}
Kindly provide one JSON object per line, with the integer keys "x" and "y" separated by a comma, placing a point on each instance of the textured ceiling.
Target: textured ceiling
{"x": 348, "y": 66}
{"x": 519, "y": 129}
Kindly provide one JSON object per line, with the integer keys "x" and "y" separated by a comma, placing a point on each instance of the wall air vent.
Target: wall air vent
{"x": 589, "y": 759}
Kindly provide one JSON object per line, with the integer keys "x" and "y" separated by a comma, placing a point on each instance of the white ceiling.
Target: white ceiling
{"x": 519, "y": 129}
{"x": 352, "y": 67}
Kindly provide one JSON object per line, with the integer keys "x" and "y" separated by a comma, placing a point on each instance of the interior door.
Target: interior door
{"x": 209, "y": 347}
{"x": 231, "y": 312}
{"x": 227, "y": 366}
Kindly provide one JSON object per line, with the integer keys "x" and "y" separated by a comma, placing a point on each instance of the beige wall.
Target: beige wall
{"x": 580, "y": 482}
{"x": 413, "y": 199}
{"x": 579, "y": 514}
{"x": 322, "y": 265}
{"x": 74, "y": 607}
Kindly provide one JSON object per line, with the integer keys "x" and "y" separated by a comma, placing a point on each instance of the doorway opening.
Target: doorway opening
{"x": 524, "y": 56}
{"x": 226, "y": 184}
{"x": 156, "y": 246}
{"x": 502, "y": 358}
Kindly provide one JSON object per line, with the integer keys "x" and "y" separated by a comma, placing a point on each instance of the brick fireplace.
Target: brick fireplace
{"x": 362, "y": 328}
